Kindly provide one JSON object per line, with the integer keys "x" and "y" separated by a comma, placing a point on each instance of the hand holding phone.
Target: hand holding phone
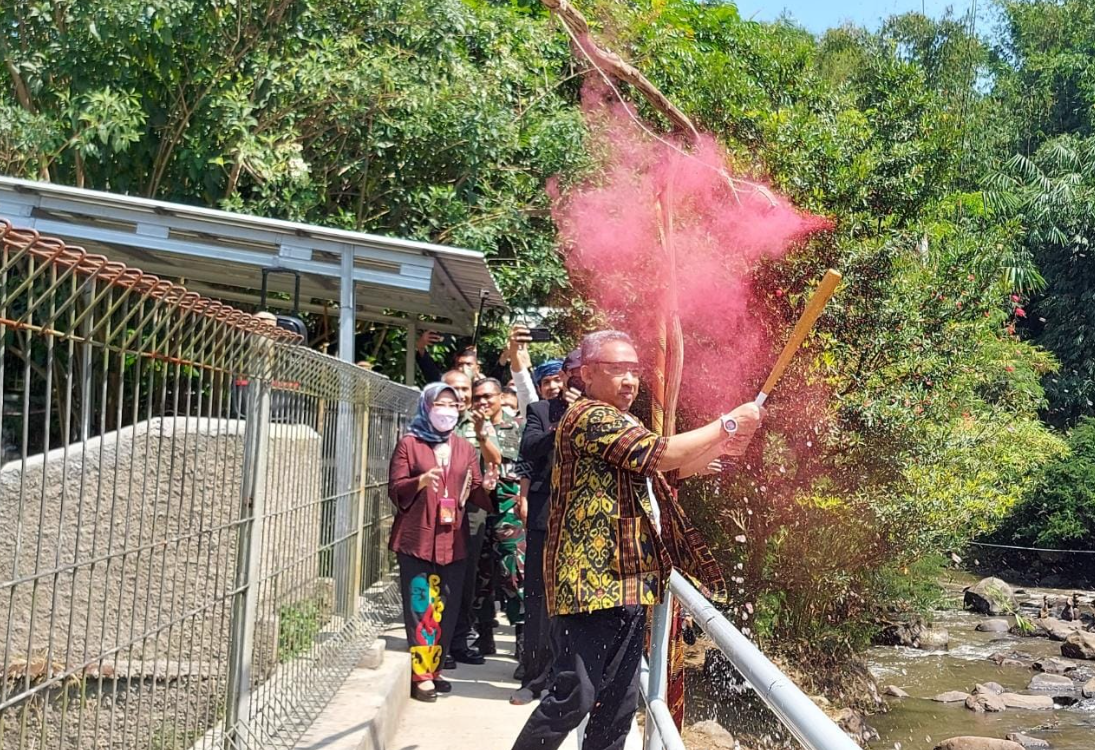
{"x": 517, "y": 355}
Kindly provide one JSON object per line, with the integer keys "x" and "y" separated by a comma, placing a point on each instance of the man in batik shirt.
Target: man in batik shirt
{"x": 502, "y": 560}
{"x": 615, "y": 533}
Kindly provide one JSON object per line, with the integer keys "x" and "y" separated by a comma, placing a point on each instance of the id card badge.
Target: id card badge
{"x": 448, "y": 511}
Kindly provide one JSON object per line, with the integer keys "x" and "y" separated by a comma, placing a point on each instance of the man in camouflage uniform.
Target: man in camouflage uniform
{"x": 501, "y": 569}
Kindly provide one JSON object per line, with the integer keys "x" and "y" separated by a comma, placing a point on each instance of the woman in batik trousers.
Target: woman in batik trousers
{"x": 433, "y": 475}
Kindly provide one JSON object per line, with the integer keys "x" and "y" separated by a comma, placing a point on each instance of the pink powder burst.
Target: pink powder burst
{"x": 614, "y": 230}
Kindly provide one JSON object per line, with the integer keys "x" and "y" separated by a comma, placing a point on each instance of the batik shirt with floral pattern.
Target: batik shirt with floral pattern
{"x": 602, "y": 550}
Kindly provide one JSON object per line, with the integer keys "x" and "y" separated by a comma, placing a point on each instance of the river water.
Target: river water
{"x": 919, "y": 723}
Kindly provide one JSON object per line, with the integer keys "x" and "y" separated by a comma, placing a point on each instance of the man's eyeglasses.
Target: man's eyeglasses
{"x": 618, "y": 369}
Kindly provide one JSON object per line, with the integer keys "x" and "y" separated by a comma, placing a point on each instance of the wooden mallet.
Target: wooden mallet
{"x": 805, "y": 322}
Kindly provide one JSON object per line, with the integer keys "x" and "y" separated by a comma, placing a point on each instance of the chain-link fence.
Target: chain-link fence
{"x": 192, "y": 512}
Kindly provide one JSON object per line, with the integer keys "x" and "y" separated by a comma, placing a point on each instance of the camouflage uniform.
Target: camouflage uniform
{"x": 476, "y": 519}
{"x": 502, "y": 561}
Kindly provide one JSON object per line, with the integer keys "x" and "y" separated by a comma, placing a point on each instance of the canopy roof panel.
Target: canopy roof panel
{"x": 222, "y": 254}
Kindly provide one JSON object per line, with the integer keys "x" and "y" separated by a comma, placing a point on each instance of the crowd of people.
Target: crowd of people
{"x": 544, "y": 500}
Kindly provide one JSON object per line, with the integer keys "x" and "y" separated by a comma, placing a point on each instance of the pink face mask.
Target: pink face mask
{"x": 444, "y": 418}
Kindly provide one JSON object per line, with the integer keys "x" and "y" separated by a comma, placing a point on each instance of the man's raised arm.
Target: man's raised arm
{"x": 707, "y": 442}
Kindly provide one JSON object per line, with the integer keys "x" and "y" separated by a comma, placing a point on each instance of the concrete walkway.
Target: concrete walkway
{"x": 477, "y": 714}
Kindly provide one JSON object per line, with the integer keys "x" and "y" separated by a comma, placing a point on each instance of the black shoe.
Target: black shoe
{"x": 471, "y": 656}
{"x": 450, "y": 663}
{"x": 485, "y": 643}
{"x": 441, "y": 685}
{"x": 519, "y": 673}
{"x": 421, "y": 694}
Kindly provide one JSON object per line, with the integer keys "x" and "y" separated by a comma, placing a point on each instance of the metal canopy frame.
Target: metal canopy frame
{"x": 368, "y": 277}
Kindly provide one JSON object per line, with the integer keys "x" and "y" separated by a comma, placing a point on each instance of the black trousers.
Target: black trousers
{"x": 536, "y": 653}
{"x": 596, "y": 672}
{"x": 431, "y": 601}
{"x": 477, "y": 528}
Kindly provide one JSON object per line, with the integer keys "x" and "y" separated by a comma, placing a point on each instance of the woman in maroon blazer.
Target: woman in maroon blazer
{"x": 432, "y": 476}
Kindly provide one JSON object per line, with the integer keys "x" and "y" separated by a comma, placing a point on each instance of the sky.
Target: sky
{"x": 818, "y": 15}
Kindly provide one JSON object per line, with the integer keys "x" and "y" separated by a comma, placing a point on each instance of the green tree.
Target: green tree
{"x": 438, "y": 121}
{"x": 1060, "y": 513}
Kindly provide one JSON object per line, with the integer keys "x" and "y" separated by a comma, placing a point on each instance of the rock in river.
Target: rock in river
{"x": 977, "y": 743}
{"x": 934, "y": 639}
{"x": 853, "y": 724}
{"x": 993, "y": 626}
{"x": 895, "y": 692}
{"x": 1079, "y": 645}
{"x": 1054, "y": 665}
{"x": 709, "y": 734}
{"x": 913, "y": 634}
{"x": 990, "y": 596}
{"x": 991, "y": 688}
{"x": 1031, "y": 743}
{"x": 1052, "y": 683}
{"x": 1089, "y": 688}
{"x": 1033, "y": 702}
{"x": 1057, "y": 630}
{"x": 1012, "y": 659}
{"x": 985, "y": 702}
{"x": 953, "y": 696}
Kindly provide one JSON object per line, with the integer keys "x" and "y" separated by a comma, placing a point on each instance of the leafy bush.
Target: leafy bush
{"x": 1060, "y": 513}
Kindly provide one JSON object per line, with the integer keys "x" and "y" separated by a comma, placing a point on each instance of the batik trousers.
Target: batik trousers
{"x": 431, "y": 603}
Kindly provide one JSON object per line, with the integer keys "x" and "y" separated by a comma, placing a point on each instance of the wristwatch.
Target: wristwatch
{"x": 729, "y": 425}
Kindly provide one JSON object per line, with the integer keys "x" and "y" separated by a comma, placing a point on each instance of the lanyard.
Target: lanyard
{"x": 446, "y": 469}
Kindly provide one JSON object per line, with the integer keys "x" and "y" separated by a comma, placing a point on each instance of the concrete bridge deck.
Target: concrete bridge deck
{"x": 477, "y": 714}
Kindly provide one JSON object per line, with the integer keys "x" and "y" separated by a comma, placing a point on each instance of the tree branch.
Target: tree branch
{"x": 611, "y": 63}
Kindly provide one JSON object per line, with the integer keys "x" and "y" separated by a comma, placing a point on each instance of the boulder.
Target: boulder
{"x": 1051, "y": 683}
{"x": 1032, "y": 702}
{"x": 1088, "y": 689}
{"x": 990, "y": 688}
{"x": 895, "y": 692}
{"x": 1031, "y": 743}
{"x": 985, "y": 702}
{"x": 1082, "y": 672}
{"x": 1012, "y": 659}
{"x": 913, "y": 634}
{"x": 977, "y": 743}
{"x": 708, "y": 734}
{"x": 897, "y": 634}
{"x": 990, "y": 596}
{"x": 934, "y": 639}
{"x": 1079, "y": 645}
{"x": 855, "y": 726}
{"x": 952, "y": 696}
{"x": 1055, "y": 665}
{"x": 1057, "y": 630}
{"x": 993, "y": 626}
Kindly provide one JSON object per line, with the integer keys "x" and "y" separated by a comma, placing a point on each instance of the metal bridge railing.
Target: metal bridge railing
{"x": 192, "y": 512}
{"x": 793, "y": 708}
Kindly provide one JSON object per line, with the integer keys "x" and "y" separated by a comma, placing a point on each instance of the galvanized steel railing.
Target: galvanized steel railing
{"x": 793, "y": 708}
{"x": 192, "y": 512}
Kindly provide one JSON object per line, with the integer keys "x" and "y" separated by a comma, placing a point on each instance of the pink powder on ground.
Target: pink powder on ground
{"x": 610, "y": 227}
